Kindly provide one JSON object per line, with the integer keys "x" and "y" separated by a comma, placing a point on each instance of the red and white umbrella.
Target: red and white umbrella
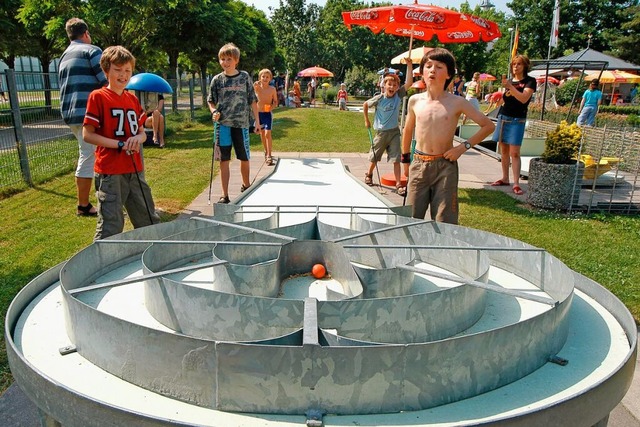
{"x": 423, "y": 22}
{"x": 315, "y": 72}
{"x": 549, "y": 79}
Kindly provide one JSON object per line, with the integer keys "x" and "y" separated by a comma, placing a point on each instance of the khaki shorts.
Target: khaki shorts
{"x": 386, "y": 140}
{"x": 433, "y": 185}
{"x": 86, "y": 154}
{"x": 117, "y": 191}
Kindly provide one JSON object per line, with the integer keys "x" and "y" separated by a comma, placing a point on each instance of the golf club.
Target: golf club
{"x": 376, "y": 162}
{"x": 146, "y": 205}
{"x": 213, "y": 152}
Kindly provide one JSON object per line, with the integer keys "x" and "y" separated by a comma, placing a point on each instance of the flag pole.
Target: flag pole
{"x": 555, "y": 28}
{"x": 513, "y": 48}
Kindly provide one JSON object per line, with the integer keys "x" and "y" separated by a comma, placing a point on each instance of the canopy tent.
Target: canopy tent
{"x": 591, "y": 56}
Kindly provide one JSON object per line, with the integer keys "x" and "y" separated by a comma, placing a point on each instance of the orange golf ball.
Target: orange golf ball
{"x": 318, "y": 271}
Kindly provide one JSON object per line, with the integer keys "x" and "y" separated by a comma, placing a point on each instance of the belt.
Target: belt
{"x": 427, "y": 157}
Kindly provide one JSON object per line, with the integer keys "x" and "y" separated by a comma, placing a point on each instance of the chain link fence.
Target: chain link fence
{"x": 35, "y": 143}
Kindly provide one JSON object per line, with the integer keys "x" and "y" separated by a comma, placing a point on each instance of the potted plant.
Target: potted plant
{"x": 556, "y": 177}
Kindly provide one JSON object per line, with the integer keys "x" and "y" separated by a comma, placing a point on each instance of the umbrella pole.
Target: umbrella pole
{"x": 411, "y": 40}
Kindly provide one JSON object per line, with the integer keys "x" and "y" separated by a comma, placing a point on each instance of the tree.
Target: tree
{"x": 13, "y": 36}
{"x": 294, "y": 26}
{"x": 126, "y": 23}
{"x": 625, "y": 45}
{"x": 43, "y": 22}
{"x": 579, "y": 19}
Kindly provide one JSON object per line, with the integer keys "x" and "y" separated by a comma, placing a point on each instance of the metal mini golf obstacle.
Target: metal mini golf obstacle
{"x": 216, "y": 321}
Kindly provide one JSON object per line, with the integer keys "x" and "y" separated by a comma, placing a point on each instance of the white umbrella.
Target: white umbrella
{"x": 416, "y": 55}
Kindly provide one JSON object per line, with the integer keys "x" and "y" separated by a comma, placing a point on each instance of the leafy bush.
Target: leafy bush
{"x": 561, "y": 146}
{"x": 565, "y": 92}
{"x": 329, "y": 95}
{"x": 633, "y": 120}
{"x": 360, "y": 81}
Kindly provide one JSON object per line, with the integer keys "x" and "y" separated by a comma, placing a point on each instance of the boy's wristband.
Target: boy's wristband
{"x": 405, "y": 158}
{"x": 120, "y": 146}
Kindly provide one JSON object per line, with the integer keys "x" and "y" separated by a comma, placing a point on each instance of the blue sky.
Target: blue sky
{"x": 499, "y": 4}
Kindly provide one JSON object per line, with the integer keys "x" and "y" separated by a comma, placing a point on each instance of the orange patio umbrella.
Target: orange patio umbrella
{"x": 486, "y": 77}
{"x": 315, "y": 72}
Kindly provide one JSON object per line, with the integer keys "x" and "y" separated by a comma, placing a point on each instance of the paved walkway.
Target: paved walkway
{"x": 476, "y": 171}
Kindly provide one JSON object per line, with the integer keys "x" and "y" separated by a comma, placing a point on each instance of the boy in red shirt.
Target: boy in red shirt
{"x": 114, "y": 123}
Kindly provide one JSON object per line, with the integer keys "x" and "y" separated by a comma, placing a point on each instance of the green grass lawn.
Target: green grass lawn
{"x": 39, "y": 229}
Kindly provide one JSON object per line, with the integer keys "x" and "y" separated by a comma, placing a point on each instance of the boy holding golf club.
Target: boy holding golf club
{"x": 434, "y": 114}
{"x": 114, "y": 123}
{"x": 231, "y": 101}
{"x": 385, "y": 123}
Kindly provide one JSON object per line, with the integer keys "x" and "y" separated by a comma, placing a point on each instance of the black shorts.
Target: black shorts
{"x": 228, "y": 137}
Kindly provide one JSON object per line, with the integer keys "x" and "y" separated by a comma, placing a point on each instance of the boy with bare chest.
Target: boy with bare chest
{"x": 433, "y": 115}
{"x": 267, "y": 100}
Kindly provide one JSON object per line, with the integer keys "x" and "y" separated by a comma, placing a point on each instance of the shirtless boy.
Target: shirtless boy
{"x": 434, "y": 114}
{"x": 267, "y": 99}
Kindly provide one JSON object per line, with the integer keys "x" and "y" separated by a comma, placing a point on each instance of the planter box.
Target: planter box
{"x": 554, "y": 186}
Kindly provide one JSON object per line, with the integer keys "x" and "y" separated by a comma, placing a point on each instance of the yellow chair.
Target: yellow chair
{"x": 593, "y": 169}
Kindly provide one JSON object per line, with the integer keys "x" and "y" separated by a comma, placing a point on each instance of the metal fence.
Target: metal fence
{"x": 35, "y": 143}
{"x": 611, "y": 186}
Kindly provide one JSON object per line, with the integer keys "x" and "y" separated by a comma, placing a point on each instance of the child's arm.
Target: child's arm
{"x": 132, "y": 143}
{"x": 215, "y": 114}
{"x": 407, "y": 132}
{"x": 256, "y": 117}
{"x": 365, "y": 110}
{"x": 409, "y": 78}
{"x": 486, "y": 128}
{"x": 274, "y": 98}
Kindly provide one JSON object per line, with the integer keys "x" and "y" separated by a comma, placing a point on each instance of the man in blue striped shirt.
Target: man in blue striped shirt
{"x": 80, "y": 74}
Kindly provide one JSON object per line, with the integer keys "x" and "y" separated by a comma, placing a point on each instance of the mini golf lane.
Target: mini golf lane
{"x": 215, "y": 321}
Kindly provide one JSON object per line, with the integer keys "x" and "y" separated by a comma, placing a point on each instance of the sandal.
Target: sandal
{"x": 269, "y": 161}
{"x": 224, "y": 199}
{"x": 86, "y": 210}
{"x": 368, "y": 178}
{"x": 517, "y": 190}
{"x": 499, "y": 183}
{"x": 243, "y": 188}
{"x": 401, "y": 191}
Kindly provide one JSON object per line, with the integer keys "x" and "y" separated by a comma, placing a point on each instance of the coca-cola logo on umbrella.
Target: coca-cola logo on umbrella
{"x": 460, "y": 35}
{"x": 480, "y": 22}
{"x": 363, "y": 15}
{"x": 407, "y": 32}
{"x": 424, "y": 16}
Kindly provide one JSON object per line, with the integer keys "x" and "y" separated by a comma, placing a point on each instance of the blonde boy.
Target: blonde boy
{"x": 114, "y": 123}
{"x": 433, "y": 115}
{"x": 267, "y": 100}
{"x": 386, "y": 125}
{"x": 231, "y": 100}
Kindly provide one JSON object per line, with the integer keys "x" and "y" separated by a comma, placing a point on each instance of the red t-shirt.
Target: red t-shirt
{"x": 118, "y": 117}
